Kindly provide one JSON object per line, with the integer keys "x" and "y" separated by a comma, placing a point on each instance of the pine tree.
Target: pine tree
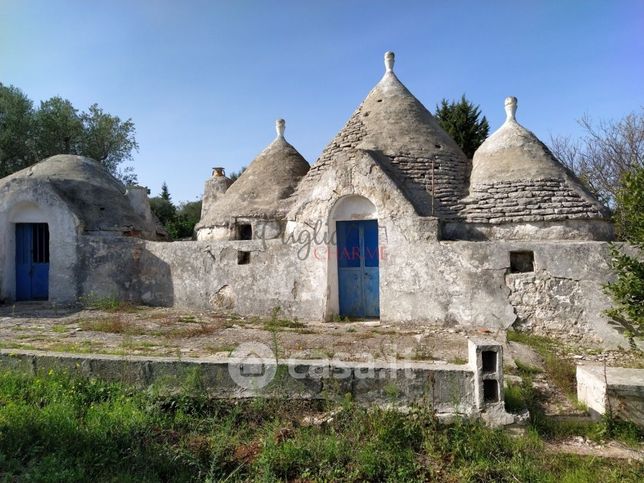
{"x": 165, "y": 194}
{"x": 462, "y": 121}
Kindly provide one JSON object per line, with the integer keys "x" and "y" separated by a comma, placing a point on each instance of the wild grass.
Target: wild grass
{"x": 559, "y": 369}
{"x": 195, "y": 329}
{"x": 116, "y": 325}
{"x": 276, "y": 322}
{"x": 59, "y": 428}
{"x": 107, "y": 304}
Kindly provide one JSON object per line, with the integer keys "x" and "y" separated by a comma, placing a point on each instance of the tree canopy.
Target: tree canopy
{"x": 29, "y": 134}
{"x": 179, "y": 221}
{"x": 463, "y": 122}
{"x": 605, "y": 152}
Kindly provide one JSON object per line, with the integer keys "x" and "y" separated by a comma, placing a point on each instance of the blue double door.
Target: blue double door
{"x": 32, "y": 261}
{"x": 358, "y": 268}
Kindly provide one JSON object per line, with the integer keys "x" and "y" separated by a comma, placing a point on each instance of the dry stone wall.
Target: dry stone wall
{"x": 548, "y": 199}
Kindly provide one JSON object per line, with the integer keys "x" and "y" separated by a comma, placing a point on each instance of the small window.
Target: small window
{"x": 244, "y": 232}
{"x": 490, "y": 391}
{"x": 489, "y": 361}
{"x": 521, "y": 262}
{"x": 40, "y": 243}
{"x": 243, "y": 258}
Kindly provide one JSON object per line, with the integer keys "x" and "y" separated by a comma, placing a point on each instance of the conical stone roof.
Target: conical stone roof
{"x": 395, "y": 125}
{"x": 515, "y": 178}
{"x": 263, "y": 188}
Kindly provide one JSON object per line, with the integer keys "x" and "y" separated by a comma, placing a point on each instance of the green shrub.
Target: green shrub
{"x": 56, "y": 427}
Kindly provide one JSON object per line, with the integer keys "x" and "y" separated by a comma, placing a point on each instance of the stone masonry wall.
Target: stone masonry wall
{"x": 547, "y": 199}
{"x": 548, "y": 305}
{"x": 422, "y": 281}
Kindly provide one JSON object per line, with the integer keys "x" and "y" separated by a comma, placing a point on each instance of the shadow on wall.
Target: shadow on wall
{"x": 123, "y": 268}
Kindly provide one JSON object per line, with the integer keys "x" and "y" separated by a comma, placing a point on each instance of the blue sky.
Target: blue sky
{"x": 205, "y": 80}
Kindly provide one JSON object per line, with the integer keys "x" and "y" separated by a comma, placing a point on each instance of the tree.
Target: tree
{"x": 165, "y": 194}
{"x": 59, "y": 128}
{"x": 627, "y": 290}
{"x": 462, "y": 121}
{"x": 162, "y": 206}
{"x": 179, "y": 221}
{"x": 234, "y": 176}
{"x": 108, "y": 140}
{"x": 17, "y": 150}
{"x": 183, "y": 226}
{"x": 28, "y": 135}
{"x": 604, "y": 154}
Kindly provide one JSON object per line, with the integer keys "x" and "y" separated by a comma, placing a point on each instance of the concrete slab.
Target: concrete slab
{"x": 617, "y": 390}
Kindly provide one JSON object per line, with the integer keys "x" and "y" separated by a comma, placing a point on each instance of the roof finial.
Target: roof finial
{"x": 389, "y": 61}
{"x": 280, "y": 126}
{"x": 510, "y": 109}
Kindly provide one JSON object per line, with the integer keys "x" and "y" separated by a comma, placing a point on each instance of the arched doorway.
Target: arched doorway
{"x": 354, "y": 271}
{"x": 31, "y": 252}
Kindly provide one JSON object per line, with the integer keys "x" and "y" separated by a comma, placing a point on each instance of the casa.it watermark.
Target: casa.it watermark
{"x": 254, "y": 366}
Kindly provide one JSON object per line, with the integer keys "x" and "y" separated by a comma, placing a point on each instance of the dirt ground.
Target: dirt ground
{"x": 151, "y": 331}
{"x": 128, "y": 330}
{"x": 170, "y": 332}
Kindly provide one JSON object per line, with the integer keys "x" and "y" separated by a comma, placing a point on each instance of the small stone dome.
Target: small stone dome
{"x": 516, "y": 179}
{"x": 263, "y": 189}
{"x": 100, "y": 201}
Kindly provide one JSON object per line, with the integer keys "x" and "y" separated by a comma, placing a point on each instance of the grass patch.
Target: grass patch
{"x": 214, "y": 349}
{"x": 107, "y": 304}
{"x": 193, "y": 330}
{"x": 283, "y": 324}
{"x": 59, "y": 428}
{"x": 519, "y": 397}
{"x": 83, "y": 347}
{"x": 276, "y": 322}
{"x": 523, "y": 368}
{"x": 112, "y": 326}
{"x": 17, "y": 345}
{"x": 559, "y": 369}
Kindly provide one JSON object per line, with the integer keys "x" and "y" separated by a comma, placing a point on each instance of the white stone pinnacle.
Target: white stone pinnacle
{"x": 389, "y": 61}
{"x": 510, "y": 109}
{"x": 280, "y": 126}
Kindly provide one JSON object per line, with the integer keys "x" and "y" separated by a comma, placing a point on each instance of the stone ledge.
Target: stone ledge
{"x": 448, "y": 388}
{"x": 618, "y": 389}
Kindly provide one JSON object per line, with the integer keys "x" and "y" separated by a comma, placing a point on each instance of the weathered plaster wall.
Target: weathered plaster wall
{"x": 202, "y": 275}
{"x": 470, "y": 283}
{"x": 23, "y": 201}
{"x": 422, "y": 281}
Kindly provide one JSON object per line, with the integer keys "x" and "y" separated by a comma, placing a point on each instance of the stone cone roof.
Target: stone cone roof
{"x": 263, "y": 189}
{"x": 403, "y": 134}
{"x": 97, "y": 199}
{"x": 515, "y": 178}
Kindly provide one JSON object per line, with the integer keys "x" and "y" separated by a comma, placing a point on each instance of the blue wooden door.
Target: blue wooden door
{"x": 32, "y": 261}
{"x": 358, "y": 265}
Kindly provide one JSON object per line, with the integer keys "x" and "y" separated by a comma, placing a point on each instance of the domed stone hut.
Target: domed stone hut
{"x": 47, "y": 207}
{"x": 255, "y": 205}
{"x": 519, "y": 190}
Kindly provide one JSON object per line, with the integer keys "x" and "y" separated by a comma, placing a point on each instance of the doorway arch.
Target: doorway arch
{"x": 353, "y": 270}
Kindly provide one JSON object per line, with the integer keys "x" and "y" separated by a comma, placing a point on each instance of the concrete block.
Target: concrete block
{"x": 612, "y": 389}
